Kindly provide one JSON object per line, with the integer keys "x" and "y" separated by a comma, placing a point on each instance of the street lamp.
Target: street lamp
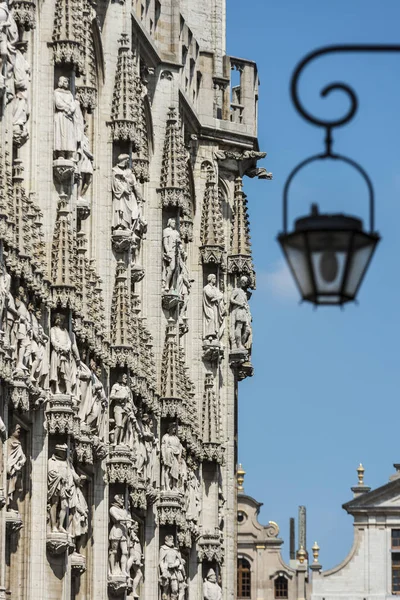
{"x": 329, "y": 254}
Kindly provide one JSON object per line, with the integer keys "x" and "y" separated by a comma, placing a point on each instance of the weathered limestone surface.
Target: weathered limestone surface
{"x": 125, "y": 270}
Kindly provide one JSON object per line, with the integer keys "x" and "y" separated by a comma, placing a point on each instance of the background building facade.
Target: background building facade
{"x": 125, "y": 270}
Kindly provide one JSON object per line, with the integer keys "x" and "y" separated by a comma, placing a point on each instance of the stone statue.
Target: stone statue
{"x": 5, "y": 286}
{"x": 171, "y": 253}
{"x": 183, "y": 472}
{"x": 97, "y": 414}
{"x": 146, "y": 441}
{"x": 40, "y": 363}
{"x": 21, "y": 103}
{"x": 172, "y": 571}
{"x": 85, "y": 162}
{"x": 211, "y": 589}
{"x": 124, "y": 412}
{"x": 64, "y": 359}
{"x": 62, "y": 496}
{"x": 184, "y": 281}
{"x": 193, "y": 497}
{"x": 135, "y": 556}
{"x": 240, "y": 324}
{"x": 24, "y": 331}
{"x": 8, "y": 43}
{"x": 15, "y": 461}
{"x": 118, "y": 538}
{"x": 214, "y": 310}
{"x": 65, "y": 139}
{"x": 126, "y": 195}
{"x": 171, "y": 454}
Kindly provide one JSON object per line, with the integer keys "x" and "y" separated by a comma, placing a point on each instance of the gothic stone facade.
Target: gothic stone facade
{"x": 125, "y": 275}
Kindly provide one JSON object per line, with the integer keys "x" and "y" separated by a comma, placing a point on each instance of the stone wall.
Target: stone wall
{"x": 125, "y": 270}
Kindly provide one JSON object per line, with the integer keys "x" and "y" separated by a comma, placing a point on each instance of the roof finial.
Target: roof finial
{"x": 240, "y": 473}
{"x": 360, "y": 473}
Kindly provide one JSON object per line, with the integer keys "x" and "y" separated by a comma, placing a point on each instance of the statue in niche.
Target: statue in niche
{"x": 127, "y": 199}
{"x": 85, "y": 162}
{"x": 8, "y": 44}
{"x": 124, "y": 412}
{"x": 214, "y": 311}
{"x": 172, "y": 571}
{"x": 240, "y": 326}
{"x": 65, "y": 135}
{"x": 64, "y": 359}
{"x": 96, "y": 416}
{"x": 135, "y": 556}
{"x": 171, "y": 252}
{"x": 5, "y": 286}
{"x": 84, "y": 394}
{"x": 15, "y": 461}
{"x": 118, "y": 538}
{"x": 193, "y": 497}
{"x": 211, "y": 589}
{"x": 184, "y": 281}
{"x": 171, "y": 454}
{"x": 147, "y": 449}
{"x": 24, "y": 331}
{"x": 40, "y": 364}
{"x": 21, "y": 103}
{"x": 62, "y": 494}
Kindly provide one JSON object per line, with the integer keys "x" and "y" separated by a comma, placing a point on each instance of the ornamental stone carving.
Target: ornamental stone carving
{"x": 124, "y": 413}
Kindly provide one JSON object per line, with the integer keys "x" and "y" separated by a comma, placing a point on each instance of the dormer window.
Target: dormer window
{"x": 281, "y": 587}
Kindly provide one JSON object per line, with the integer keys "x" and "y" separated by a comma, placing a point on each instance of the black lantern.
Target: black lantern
{"x": 328, "y": 255}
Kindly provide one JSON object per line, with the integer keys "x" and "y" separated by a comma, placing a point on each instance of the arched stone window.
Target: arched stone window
{"x": 281, "y": 587}
{"x": 243, "y": 578}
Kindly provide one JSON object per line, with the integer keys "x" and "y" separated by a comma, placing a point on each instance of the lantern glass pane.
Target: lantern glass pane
{"x": 329, "y": 254}
{"x": 296, "y": 255}
{"x": 363, "y": 249}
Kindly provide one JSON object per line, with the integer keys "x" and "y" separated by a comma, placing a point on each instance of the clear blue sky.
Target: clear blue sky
{"x": 325, "y": 394}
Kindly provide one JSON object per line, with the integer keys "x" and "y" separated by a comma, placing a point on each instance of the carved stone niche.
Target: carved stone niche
{"x": 138, "y": 495}
{"x": 78, "y": 564}
{"x": 184, "y": 538}
{"x": 84, "y": 445}
{"x": 24, "y": 13}
{"x": 209, "y": 547}
{"x": 173, "y": 407}
{"x": 239, "y": 360}
{"x": 13, "y": 521}
{"x": 214, "y": 255}
{"x": 170, "y": 509}
{"x": 63, "y": 170}
{"x": 19, "y": 394}
{"x": 213, "y": 352}
{"x": 119, "y": 465}
{"x": 117, "y": 585}
{"x": 60, "y": 414}
{"x": 121, "y": 240}
{"x": 58, "y": 543}
{"x": 5, "y": 361}
{"x": 213, "y": 452}
{"x": 170, "y": 300}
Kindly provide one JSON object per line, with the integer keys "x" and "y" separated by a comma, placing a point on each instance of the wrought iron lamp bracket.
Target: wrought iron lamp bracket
{"x": 330, "y": 124}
